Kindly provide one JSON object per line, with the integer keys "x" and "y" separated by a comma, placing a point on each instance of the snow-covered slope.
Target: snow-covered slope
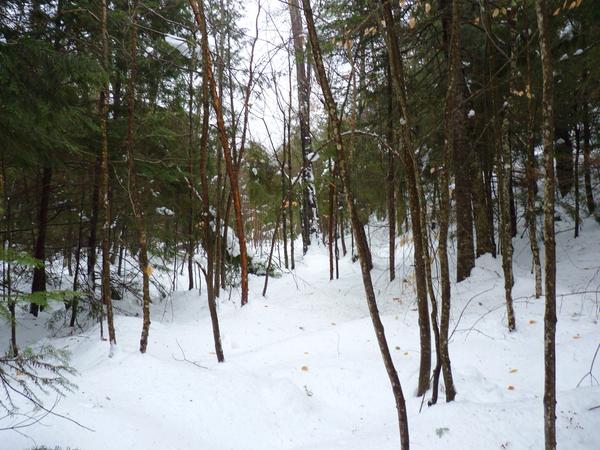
{"x": 303, "y": 370}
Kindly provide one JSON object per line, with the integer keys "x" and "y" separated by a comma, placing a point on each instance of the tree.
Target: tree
{"x": 230, "y": 164}
{"x": 415, "y": 197}
{"x": 310, "y": 225}
{"x": 361, "y": 241}
{"x": 541, "y": 10}
{"x": 104, "y": 179}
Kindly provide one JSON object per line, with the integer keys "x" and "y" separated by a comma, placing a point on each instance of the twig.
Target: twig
{"x": 184, "y": 359}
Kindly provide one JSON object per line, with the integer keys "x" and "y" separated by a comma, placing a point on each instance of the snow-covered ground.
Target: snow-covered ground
{"x": 303, "y": 370}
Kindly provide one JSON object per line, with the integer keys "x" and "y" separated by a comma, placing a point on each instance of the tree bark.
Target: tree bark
{"x": 310, "y": 225}
{"x": 104, "y": 182}
{"x": 549, "y": 232}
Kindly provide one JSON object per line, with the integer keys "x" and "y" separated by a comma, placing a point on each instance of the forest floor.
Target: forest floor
{"x": 303, "y": 370}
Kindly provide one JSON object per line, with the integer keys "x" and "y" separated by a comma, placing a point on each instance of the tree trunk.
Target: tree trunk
{"x": 414, "y": 197}
{"x": 391, "y": 184}
{"x": 356, "y": 225}
{"x": 549, "y": 233}
{"x": 75, "y": 301}
{"x": 134, "y": 196}
{"x": 6, "y": 270}
{"x": 38, "y": 283}
{"x": 331, "y": 221}
{"x": 104, "y": 182}
{"x": 232, "y": 173}
{"x": 310, "y": 225}
{"x": 290, "y": 192}
{"x": 453, "y": 114}
{"x": 576, "y": 178}
{"x": 587, "y": 179}
{"x": 531, "y": 172}
{"x": 93, "y": 238}
{"x": 284, "y": 196}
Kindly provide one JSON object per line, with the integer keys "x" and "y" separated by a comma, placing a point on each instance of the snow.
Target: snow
{"x": 471, "y": 114}
{"x": 567, "y": 32}
{"x": 303, "y": 370}
{"x": 164, "y": 211}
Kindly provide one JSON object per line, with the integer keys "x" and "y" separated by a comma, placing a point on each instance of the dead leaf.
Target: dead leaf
{"x": 412, "y": 22}
{"x": 304, "y": 368}
{"x": 510, "y": 387}
{"x": 512, "y": 370}
{"x": 427, "y": 8}
{"x": 576, "y": 336}
{"x": 531, "y": 322}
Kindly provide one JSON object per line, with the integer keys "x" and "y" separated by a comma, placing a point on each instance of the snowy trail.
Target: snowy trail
{"x": 303, "y": 370}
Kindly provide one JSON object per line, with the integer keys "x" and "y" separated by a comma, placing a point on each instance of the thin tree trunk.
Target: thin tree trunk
{"x": 310, "y": 224}
{"x": 330, "y": 221}
{"x": 284, "y": 196}
{"x": 503, "y": 168}
{"x": 232, "y": 173}
{"x": 356, "y": 225}
{"x": 104, "y": 182}
{"x": 453, "y": 114}
{"x": 531, "y": 171}
{"x": 549, "y": 233}
{"x": 191, "y": 243}
{"x": 209, "y": 248}
{"x": 6, "y": 270}
{"x": 587, "y": 179}
{"x": 391, "y": 184}
{"x": 290, "y": 191}
{"x": 93, "y": 238}
{"x": 38, "y": 283}
{"x": 412, "y": 177}
{"x": 134, "y": 196}
{"x": 576, "y": 178}
{"x": 75, "y": 301}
